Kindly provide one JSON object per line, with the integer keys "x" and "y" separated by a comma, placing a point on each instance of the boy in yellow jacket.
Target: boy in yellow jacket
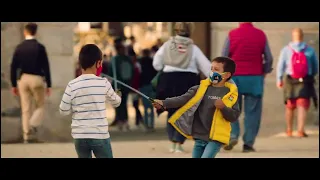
{"x": 207, "y": 109}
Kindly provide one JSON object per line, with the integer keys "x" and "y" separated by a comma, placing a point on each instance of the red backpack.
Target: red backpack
{"x": 299, "y": 63}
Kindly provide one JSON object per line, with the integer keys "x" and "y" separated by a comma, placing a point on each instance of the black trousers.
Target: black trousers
{"x": 174, "y": 84}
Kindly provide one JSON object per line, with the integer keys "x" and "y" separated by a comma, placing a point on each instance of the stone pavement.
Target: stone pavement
{"x": 268, "y": 147}
{"x": 137, "y": 144}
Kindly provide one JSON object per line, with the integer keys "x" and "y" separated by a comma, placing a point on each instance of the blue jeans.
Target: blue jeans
{"x": 206, "y": 149}
{"x": 148, "y": 108}
{"x": 100, "y": 147}
{"x": 252, "y": 119}
{"x": 251, "y": 87}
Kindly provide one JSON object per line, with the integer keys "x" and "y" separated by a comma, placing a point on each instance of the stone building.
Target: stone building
{"x": 58, "y": 37}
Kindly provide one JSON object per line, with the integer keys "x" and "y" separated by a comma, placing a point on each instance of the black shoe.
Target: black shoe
{"x": 247, "y": 148}
{"x": 150, "y": 130}
{"x": 114, "y": 123}
{"x": 34, "y": 130}
{"x": 232, "y": 143}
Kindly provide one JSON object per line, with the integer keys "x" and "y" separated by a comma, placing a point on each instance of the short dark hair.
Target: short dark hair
{"x": 89, "y": 55}
{"x": 146, "y": 52}
{"x": 228, "y": 64}
{"x": 117, "y": 40}
{"x": 154, "y": 48}
{"x": 31, "y": 28}
{"x": 120, "y": 48}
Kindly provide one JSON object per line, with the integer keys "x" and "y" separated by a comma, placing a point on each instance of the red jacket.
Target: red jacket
{"x": 246, "y": 48}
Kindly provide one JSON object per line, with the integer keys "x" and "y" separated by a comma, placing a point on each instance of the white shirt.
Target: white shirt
{"x": 28, "y": 37}
{"x": 198, "y": 62}
{"x": 85, "y": 97}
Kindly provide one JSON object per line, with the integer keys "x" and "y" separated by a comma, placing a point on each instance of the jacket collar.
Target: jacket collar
{"x": 246, "y": 24}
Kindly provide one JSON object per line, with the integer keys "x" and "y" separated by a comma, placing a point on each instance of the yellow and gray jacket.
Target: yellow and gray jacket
{"x": 220, "y": 129}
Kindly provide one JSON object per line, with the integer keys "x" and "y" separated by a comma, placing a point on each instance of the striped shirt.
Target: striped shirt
{"x": 86, "y": 97}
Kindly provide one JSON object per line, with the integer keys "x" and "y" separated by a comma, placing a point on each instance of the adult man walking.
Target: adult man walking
{"x": 248, "y": 47}
{"x": 30, "y": 58}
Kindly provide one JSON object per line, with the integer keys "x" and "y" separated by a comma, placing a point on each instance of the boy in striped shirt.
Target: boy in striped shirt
{"x": 85, "y": 97}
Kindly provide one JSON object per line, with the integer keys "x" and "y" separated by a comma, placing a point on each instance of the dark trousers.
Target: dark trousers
{"x": 252, "y": 119}
{"x": 173, "y": 134}
{"x": 174, "y": 84}
{"x": 250, "y": 88}
{"x": 148, "y": 108}
{"x": 122, "y": 110}
{"x": 135, "y": 99}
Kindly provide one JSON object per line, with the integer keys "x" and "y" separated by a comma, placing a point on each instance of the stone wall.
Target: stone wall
{"x": 200, "y": 37}
{"x": 58, "y": 40}
{"x": 279, "y": 34}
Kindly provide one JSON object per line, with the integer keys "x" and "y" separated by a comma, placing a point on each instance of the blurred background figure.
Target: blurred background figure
{"x": 296, "y": 71}
{"x": 31, "y": 60}
{"x": 78, "y": 71}
{"x": 156, "y": 47}
{"x": 147, "y": 74}
{"x": 117, "y": 42}
{"x": 105, "y": 64}
{"x": 158, "y": 44}
{"x": 248, "y": 46}
{"x": 130, "y": 47}
{"x": 180, "y": 61}
{"x": 124, "y": 70}
{"x": 136, "y": 78}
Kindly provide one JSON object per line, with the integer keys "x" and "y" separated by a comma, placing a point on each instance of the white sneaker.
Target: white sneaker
{"x": 173, "y": 148}
{"x": 179, "y": 149}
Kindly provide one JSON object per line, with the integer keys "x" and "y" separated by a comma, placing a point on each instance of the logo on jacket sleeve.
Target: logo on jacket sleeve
{"x": 230, "y": 97}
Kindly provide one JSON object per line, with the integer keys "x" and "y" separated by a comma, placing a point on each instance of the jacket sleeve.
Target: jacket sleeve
{"x": 65, "y": 107}
{"x": 158, "y": 59}
{"x": 268, "y": 59}
{"x": 176, "y": 102}
{"x": 226, "y": 48}
{"x": 315, "y": 63}
{"x": 281, "y": 66}
{"x": 14, "y": 68}
{"x": 231, "y": 114}
{"x": 111, "y": 96}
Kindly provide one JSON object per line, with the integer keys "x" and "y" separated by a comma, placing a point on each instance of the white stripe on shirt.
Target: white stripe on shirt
{"x": 86, "y": 97}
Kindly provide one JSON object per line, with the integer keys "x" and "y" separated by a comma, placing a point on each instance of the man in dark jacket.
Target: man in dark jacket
{"x": 31, "y": 60}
